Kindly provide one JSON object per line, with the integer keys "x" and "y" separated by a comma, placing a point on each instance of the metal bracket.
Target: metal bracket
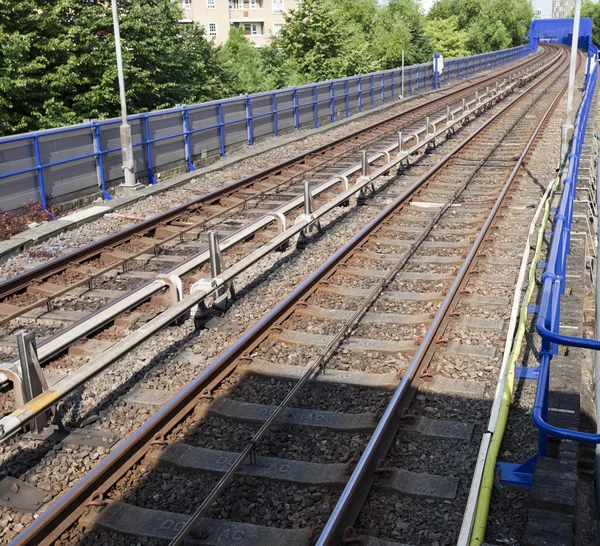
{"x": 281, "y": 226}
{"x": 221, "y": 296}
{"x": 518, "y": 474}
{"x": 27, "y": 377}
{"x": 21, "y": 496}
{"x": 525, "y": 372}
{"x": 307, "y": 216}
{"x": 175, "y": 287}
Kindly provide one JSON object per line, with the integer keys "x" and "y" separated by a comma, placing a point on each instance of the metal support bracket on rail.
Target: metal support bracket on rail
{"x": 175, "y": 287}
{"x": 313, "y": 227}
{"x": 345, "y": 185}
{"x": 365, "y": 177}
{"x": 221, "y": 296}
{"x": 280, "y": 221}
{"x": 27, "y": 378}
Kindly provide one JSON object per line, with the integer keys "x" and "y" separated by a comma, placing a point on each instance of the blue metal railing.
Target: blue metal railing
{"x": 553, "y": 279}
{"x": 329, "y": 101}
{"x": 553, "y": 287}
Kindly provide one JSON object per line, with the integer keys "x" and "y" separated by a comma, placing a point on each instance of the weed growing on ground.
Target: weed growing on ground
{"x": 13, "y": 222}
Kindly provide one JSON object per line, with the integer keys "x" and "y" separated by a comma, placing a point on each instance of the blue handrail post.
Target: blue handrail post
{"x": 316, "y": 106}
{"x": 383, "y": 87}
{"x": 418, "y": 80}
{"x": 188, "y": 138}
{"x": 222, "y": 131}
{"x": 410, "y": 81}
{"x": 39, "y": 166}
{"x": 148, "y": 144}
{"x": 99, "y": 160}
{"x": 250, "y": 121}
{"x": 332, "y": 97}
{"x": 394, "y": 87}
{"x": 275, "y": 118}
{"x": 296, "y": 109}
{"x": 436, "y": 60}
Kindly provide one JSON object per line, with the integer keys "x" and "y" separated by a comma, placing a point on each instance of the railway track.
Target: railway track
{"x": 309, "y": 401}
{"x": 92, "y": 333}
{"x": 112, "y": 276}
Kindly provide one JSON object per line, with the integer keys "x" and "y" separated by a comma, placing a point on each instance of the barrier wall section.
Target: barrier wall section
{"x": 83, "y": 159}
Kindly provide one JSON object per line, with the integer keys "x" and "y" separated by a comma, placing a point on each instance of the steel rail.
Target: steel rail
{"x": 106, "y": 314}
{"x": 11, "y": 423}
{"x": 357, "y": 489}
{"x": 19, "y": 282}
{"x": 318, "y": 364}
{"x": 66, "y": 511}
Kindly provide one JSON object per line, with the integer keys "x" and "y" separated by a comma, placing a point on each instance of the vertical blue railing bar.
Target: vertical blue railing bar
{"x": 221, "y": 130}
{"x": 275, "y": 120}
{"x": 250, "y": 121}
{"x": 100, "y": 161}
{"x": 40, "y": 171}
{"x": 417, "y": 79}
{"x": 148, "y": 144}
{"x": 332, "y": 101}
{"x": 188, "y": 141}
{"x": 296, "y": 109}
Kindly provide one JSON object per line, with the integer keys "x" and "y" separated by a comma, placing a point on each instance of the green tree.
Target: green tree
{"x": 318, "y": 46}
{"x": 243, "y": 63}
{"x": 466, "y": 11}
{"x": 491, "y": 24}
{"x": 59, "y": 66}
{"x": 446, "y": 37}
{"x": 592, "y": 10}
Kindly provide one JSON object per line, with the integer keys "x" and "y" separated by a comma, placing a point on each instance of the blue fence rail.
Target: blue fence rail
{"x": 553, "y": 287}
{"x": 76, "y": 160}
{"x": 554, "y": 277}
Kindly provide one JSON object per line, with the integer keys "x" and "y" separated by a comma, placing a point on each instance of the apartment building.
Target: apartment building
{"x": 260, "y": 19}
{"x": 562, "y": 8}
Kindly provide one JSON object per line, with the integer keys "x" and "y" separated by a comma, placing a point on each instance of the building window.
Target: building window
{"x": 251, "y": 29}
{"x": 277, "y": 6}
{"x": 276, "y": 28}
{"x": 187, "y": 4}
{"x": 253, "y": 4}
{"x": 212, "y": 29}
{"x": 211, "y": 4}
{"x": 236, "y": 4}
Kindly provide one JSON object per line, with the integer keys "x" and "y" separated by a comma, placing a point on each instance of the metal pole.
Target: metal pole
{"x": 365, "y": 163}
{"x": 568, "y": 126}
{"x": 126, "y": 147}
{"x": 597, "y": 353}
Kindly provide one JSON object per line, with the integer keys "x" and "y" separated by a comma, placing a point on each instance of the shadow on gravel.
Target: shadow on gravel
{"x": 411, "y": 517}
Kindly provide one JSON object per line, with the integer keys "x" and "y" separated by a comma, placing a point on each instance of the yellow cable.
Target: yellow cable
{"x": 487, "y": 482}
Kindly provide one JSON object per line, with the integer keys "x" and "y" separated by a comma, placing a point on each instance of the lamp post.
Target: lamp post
{"x": 126, "y": 147}
{"x": 568, "y": 126}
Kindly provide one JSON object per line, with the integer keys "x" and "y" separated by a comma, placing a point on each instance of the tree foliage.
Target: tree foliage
{"x": 58, "y": 65}
{"x": 446, "y": 37}
{"x": 488, "y": 24}
{"x": 592, "y": 10}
